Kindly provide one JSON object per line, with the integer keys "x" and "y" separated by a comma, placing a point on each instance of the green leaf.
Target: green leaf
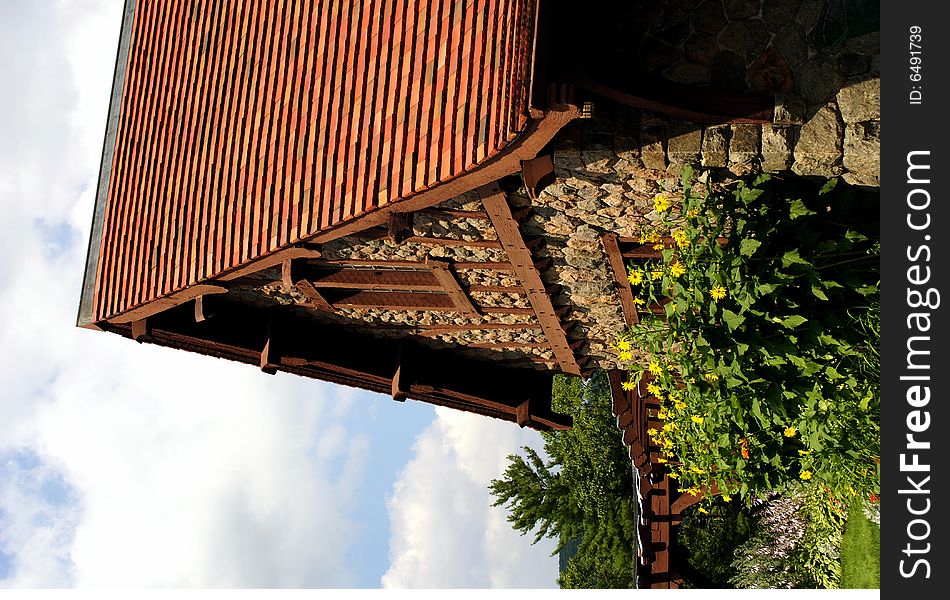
{"x": 731, "y": 319}
{"x": 796, "y": 360}
{"x": 748, "y": 247}
{"x": 793, "y": 321}
{"x": 833, "y": 374}
{"x": 829, "y": 185}
{"x": 818, "y": 293}
{"x": 792, "y": 257}
{"x": 799, "y": 209}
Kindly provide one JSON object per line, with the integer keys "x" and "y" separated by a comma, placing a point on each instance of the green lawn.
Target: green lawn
{"x": 860, "y": 551}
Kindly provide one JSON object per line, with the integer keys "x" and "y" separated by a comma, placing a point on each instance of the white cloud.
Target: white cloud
{"x": 182, "y": 470}
{"x": 178, "y": 470}
{"x": 445, "y": 533}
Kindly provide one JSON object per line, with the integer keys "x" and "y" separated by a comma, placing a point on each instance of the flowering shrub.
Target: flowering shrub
{"x": 762, "y": 363}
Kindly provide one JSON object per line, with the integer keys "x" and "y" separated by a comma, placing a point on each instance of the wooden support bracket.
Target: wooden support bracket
{"x": 400, "y": 226}
{"x": 523, "y": 413}
{"x": 496, "y": 205}
{"x": 537, "y": 173}
{"x": 140, "y": 329}
{"x": 450, "y": 283}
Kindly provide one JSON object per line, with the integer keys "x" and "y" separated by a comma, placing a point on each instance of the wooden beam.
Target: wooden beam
{"x": 316, "y": 298}
{"x": 496, "y": 204}
{"x": 400, "y": 226}
{"x": 523, "y": 413}
{"x": 621, "y": 283}
{"x": 442, "y": 271}
{"x": 448, "y": 213}
{"x": 506, "y": 310}
{"x": 507, "y": 345}
{"x": 140, "y": 329}
{"x": 496, "y": 289}
{"x": 537, "y": 173}
{"x": 201, "y": 311}
{"x": 433, "y": 330}
{"x": 483, "y": 265}
{"x": 439, "y": 241}
{"x": 308, "y": 251}
{"x": 401, "y": 381}
{"x": 335, "y": 352}
{"x": 365, "y": 279}
{"x": 390, "y": 300}
{"x": 172, "y": 300}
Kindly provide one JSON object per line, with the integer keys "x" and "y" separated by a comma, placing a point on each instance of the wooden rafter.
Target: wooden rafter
{"x": 442, "y": 271}
{"x": 279, "y": 340}
{"x": 447, "y": 213}
{"x": 621, "y": 284}
{"x": 495, "y": 203}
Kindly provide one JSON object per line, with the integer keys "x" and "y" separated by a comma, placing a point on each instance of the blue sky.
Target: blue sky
{"x": 131, "y": 465}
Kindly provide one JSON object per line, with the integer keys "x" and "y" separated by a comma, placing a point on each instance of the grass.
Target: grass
{"x": 860, "y": 551}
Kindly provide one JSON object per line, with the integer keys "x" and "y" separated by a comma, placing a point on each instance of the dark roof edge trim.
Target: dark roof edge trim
{"x": 86, "y": 300}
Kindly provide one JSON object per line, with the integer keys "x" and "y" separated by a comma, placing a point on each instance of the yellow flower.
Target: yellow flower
{"x": 703, "y": 510}
{"x": 697, "y": 419}
{"x": 680, "y": 405}
{"x": 692, "y": 213}
{"x": 673, "y": 476}
{"x": 851, "y": 490}
{"x": 711, "y": 377}
{"x": 718, "y": 292}
{"x": 635, "y": 277}
{"x": 692, "y": 491}
{"x": 639, "y": 301}
{"x": 803, "y": 452}
{"x": 806, "y": 475}
{"x": 653, "y": 388}
{"x": 654, "y": 367}
{"x": 625, "y": 356}
{"x": 661, "y": 460}
{"x": 660, "y": 203}
{"x": 652, "y": 432}
{"x": 677, "y": 269}
{"x": 681, "y": 239}
{"x": 624, "y": 344}
{"x": 629, "y": 385}
{"x": 659, "y": 246}
{"x": 661, "y": 414}
{"x": 654, "y": 275}
{"x": 697, "y": 470}
{"x": 726, "y": 498}
{"x": 669, "y": 426}
{"x": 790, "y": 432}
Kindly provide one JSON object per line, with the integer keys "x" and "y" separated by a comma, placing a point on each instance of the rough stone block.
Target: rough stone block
{"x": 777, "y": 145}
{"x": 789, "y": 110}
{"x": 819, "y": 148}
{"x": 715, "y": 148}
{"x": 860, "y": 101}
{"x": 652, "y": 152}
{"x": 685, "y": 144}
{"x": 744, "y": 149}
{"x": 862, "y": 153}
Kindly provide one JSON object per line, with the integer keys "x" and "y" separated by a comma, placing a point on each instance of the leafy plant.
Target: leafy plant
{"x": 584, "y": 491}
{"x": 765, "y": 364}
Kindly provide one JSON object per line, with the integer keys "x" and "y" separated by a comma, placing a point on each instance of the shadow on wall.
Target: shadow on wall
{"x": 818, "y": 59}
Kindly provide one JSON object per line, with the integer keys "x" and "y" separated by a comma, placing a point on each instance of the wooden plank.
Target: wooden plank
{"x": 619, "y": 272}
{"x": 432, "y": 330}
{"x": 506, "y": 310}
{"x": 306, "y": 251}
{"x": 390, "y": 300}
{"x": 172, "y": 300}
{"x": 448, "y": 213}
{"x": 442, "y": 271}
{"x": 495, "y": 289}
{"x": 507, "y": 345}
{"x": 366, "y": 279}
{"x": 484, "y": 265}
{"x": 496, "y": 204}
{"x": 437, "y": 241}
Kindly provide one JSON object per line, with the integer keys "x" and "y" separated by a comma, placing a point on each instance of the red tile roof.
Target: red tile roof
{"x": 245, "y": 127}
